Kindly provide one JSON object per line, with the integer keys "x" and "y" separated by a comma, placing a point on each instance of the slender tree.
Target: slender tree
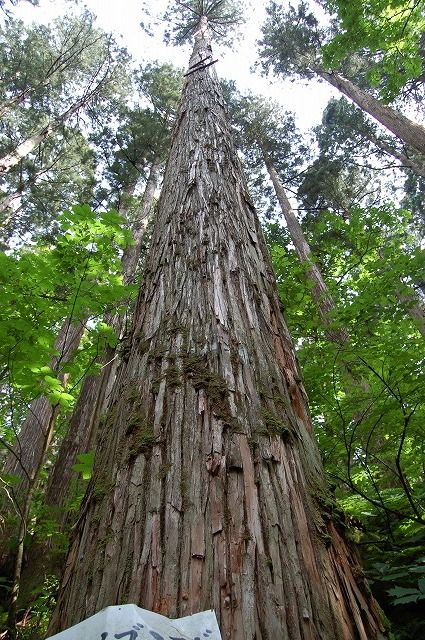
{"x": 208, "y": 489}
{"x": 346, "y": 132}
{"x": 265, "y": 138}
{"x": 70, "y": 67}
{"x": 389, "y": 32}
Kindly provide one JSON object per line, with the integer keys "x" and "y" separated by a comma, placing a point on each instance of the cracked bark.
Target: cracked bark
{"x": 208, "y": 490}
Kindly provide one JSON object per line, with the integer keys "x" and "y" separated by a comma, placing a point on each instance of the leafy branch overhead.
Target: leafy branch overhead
{"x": 388, "y": 32}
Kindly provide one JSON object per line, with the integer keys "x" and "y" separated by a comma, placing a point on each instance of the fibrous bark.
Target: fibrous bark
{"x": 208, "y": 489}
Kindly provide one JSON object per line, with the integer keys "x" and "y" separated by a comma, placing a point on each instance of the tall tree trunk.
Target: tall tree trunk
{"x": 406, "y": 130}
{"x": 22, "y": 150}
{"x": 398, "y": 155}
{"x": 320, "y": 293}
{"x": 93, "y": 398}
{"x": 208, "y": 489}
{"x": 7, "y": 201}
{"x": 24, "y": 459}
{"x": 131, "y": 255}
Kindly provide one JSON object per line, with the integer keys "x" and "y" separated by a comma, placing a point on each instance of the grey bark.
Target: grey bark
{"x": 208, "y": 489}
{"x": 406, "y": 130}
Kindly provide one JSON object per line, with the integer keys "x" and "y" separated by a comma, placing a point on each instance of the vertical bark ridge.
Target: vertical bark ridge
{"x": 208, "y": 489}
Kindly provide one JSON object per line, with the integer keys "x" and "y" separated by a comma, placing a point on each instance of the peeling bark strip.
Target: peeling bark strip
{"x": 208, "y": 489}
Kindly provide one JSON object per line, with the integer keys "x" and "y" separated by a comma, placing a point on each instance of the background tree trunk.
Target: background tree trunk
{"x": 93, "y": 399}
{"x": 27, "y": 451}
{"x": 406, "y": 130}
{"x": 398, "y": 155}
{"x": 24, "y": 462}
{"x": 22, "y": 150}
{"x": 208, "y": 489}
{"x": 319, "y": 293}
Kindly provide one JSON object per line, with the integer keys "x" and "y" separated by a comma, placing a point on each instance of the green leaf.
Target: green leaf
{"x": 84, "y": 466}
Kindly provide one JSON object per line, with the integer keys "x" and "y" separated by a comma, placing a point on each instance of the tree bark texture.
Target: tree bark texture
{"x": 406, "y": 130}
{"x": 208, "y": 489}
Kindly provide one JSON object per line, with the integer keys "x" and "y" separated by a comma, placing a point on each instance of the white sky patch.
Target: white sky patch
{"x": 122, "y": 18}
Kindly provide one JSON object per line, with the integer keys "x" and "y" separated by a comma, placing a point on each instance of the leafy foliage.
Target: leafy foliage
{"x": 389, "y": 32}
{"x": 291, "y": 41}
{"x": 367, "y": 397}
{"x": 78, "y": 277}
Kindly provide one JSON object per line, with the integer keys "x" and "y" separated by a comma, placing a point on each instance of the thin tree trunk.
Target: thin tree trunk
{"x": 131, "y": 255}
{"x": 7, "y": 201}
{"x": 94, "y": 395}
{"x": 320, "y": 293}
{"x": 208, "y": 489}
{"x": 406, "y": 130}
{"x": 57, "y": 66}
{"x": 23, "y": 524}
{"x": 22, "y": 150}
{"x": 29, "y": 446}
{"x": 398, "y": 155}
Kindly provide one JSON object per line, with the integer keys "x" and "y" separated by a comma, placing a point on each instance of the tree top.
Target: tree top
{"x": 184, "y": 17}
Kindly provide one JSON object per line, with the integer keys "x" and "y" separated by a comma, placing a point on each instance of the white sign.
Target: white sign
{"x": 128, "y": 622}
